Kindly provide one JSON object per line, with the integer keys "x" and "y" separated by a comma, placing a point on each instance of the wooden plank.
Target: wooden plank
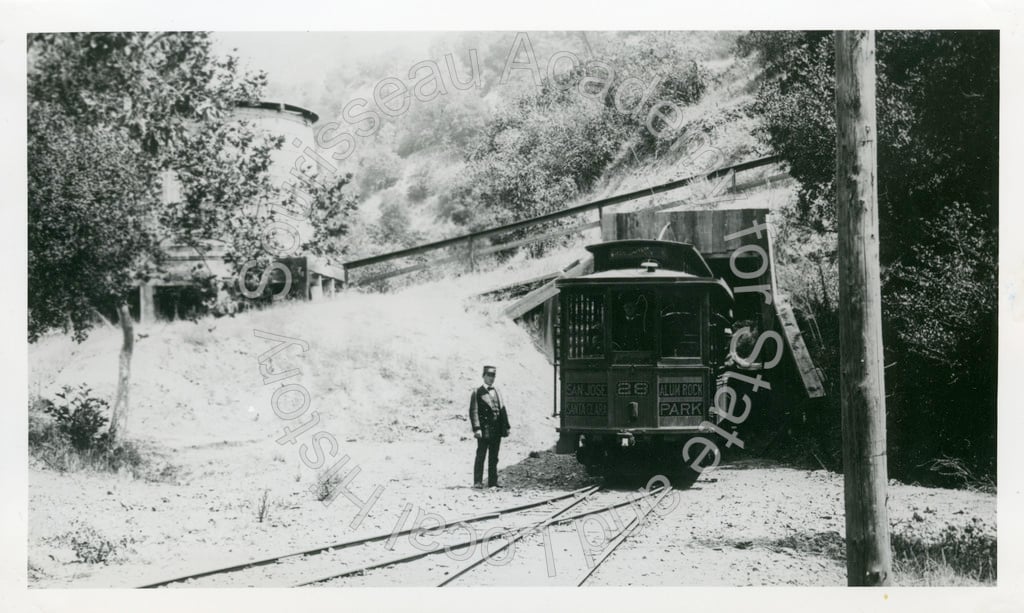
{"x": 407, "y": 269}
{"x": 322, "y": 268}
{"x": 797, "y": 348}
{"x": 609, "y": 226}
{"x": 776, "y": 179}
{"x": 547, "y": 291}
{"x": 708, "y": 230}
{"x": 537, "y": 239}
{"x": 511, "y": 286}
{"x": 532, "y": 300}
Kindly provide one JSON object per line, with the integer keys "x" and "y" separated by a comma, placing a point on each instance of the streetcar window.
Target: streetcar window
{"x": 584, "y": 319}
{"x": 633, "y": 321}
{"x": 680, "y": 325}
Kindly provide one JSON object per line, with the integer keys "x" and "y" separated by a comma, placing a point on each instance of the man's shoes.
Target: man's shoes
{"x": 493, "y": 485}
{"x": 478, "y": 486}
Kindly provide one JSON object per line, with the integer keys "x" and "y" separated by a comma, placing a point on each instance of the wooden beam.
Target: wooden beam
{"x": 547, "y": 291}
{"x": 403, "y": 271}
{"x": 322, "y": 268}
{"x": 861, "y": 380}
{"x": 797, "y": 348}
{"x": 537, "y": 239}
{"x": 512, "y": 286}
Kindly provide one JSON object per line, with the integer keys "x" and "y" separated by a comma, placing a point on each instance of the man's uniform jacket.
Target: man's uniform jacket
{"x": 487, "y": 413}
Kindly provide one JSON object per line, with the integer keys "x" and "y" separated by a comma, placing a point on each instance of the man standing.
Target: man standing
{"x": 489, "y": 419}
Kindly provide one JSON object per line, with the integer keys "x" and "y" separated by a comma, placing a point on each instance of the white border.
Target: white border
{"x": 22, "y": 17}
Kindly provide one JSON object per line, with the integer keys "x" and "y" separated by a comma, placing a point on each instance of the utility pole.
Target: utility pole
{"x": 862, "y": 381}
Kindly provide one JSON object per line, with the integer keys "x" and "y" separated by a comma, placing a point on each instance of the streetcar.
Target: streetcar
{"x": 641, "y": 342}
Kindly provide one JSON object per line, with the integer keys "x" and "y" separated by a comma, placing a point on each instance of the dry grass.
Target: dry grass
{"x": 958, "y": 555}
{"x": 91, "y": 546}
{"x": 262, "y": 507}
{"x": 53, "y": 448}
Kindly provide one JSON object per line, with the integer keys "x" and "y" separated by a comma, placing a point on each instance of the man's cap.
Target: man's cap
{"x": 490, "y": 370}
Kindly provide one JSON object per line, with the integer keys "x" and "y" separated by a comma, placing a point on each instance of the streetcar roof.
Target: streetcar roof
{"x": 632, "y": 254}
{"x": 662, "y": 278}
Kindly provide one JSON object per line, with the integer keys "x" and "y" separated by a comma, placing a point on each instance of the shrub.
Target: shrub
{"x": 70, "y": 439}
{"x": 325, "y": 485}
{"x": 263, "y": 506}
{"x": 80, "y": 418}
{"x": 419, "y": 185}
{"x": 378, "y": 170}
{"x": 91, "y": 546}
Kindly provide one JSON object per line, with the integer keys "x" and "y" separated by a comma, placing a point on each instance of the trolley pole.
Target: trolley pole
{"x": 862, "y": 384}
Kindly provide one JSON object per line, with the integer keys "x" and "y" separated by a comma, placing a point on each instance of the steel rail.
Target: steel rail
{"x": 621, "y": 537}
{"x": 539, "y": 525}
{"x": 358, "y": 541}
{"x": 464, "y": 544}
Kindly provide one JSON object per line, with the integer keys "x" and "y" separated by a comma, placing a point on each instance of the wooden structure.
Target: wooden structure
{"x": 862, "y": 381}
{"x": 175, "y": 294}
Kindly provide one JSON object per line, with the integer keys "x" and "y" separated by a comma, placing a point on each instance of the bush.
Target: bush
{"x": 379, "y": 169}
{"x": 262, "y": 507}
{"x": 326, "y": 484}
{"x": 419, "y": 188}
{"x": 73, "y": 437}
{"x": 80, "y": 418}
{"x": 90, "y": 546}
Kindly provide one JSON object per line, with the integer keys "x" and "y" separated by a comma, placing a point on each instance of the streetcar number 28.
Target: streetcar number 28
{"x": 632, "y": 388}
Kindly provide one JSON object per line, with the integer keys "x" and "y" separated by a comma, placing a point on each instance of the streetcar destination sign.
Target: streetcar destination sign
{"x": 585, "y": 409}
{"x": 681, "y": 397}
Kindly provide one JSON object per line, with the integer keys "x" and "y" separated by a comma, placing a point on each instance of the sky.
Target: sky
{"x": 295, "y": 60}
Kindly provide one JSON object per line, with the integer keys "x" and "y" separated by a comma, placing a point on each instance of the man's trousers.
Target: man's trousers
{"x": 488, "y": 447}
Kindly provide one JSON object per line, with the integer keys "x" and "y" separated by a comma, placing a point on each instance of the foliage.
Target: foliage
{"x": 263, "y": 504}
{"x": 80, "y": 418}
{"x": 937, "y": 107}
{"x": 108, "y": 114}
{"x": 326, "y": 485}
{"x": 453, "y": 122}
{"x": 88, "y": 221}
{"x": 419, "y": 187}
{"x": 968, "y": 550}
{"x": 544, "y": 148}
{"x": 394, "y": 223}
{"x": 332, "y": 210}
{"x": 379, "y": 168}
{"x": 67, "y": 437}
{"x": 90, "y": 546}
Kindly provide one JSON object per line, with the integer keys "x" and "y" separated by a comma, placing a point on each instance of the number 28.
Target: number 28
{"x": 632, "y": 388}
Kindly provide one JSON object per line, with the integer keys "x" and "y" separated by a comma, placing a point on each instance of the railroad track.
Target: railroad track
{"x": 453, "y": 551}
{"x": 558, "y": 518}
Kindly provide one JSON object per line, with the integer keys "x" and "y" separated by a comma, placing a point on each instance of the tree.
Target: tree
{"x": 938, "y": 97}
{"x": 108, "y": 113}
